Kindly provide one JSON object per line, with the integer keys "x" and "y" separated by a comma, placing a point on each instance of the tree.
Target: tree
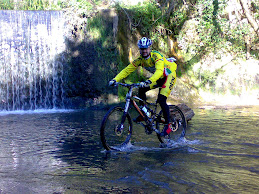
{"x": 249, "y": 16}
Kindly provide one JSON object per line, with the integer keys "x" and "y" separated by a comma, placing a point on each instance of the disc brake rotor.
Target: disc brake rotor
{"x": 174, "y": 126}
{"x": 118, "y": 131}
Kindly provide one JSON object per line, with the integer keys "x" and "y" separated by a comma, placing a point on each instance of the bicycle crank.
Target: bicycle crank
{"x": 148, "y": 130}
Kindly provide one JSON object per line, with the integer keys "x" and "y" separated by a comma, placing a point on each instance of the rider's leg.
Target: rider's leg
{"x": 166, "y": 112}
{"x": 164, "y": 106}
{"x": 142, "y": 94}
{"x": 162, "y": 97}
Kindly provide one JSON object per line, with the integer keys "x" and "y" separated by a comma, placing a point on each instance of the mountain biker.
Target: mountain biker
{"x": 164, "y": 77}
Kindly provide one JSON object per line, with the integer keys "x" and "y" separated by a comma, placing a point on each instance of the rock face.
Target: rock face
{"x": 187, "y": 111}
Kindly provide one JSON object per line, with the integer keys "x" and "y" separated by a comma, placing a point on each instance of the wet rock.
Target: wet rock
{"x": 187, "y": 111}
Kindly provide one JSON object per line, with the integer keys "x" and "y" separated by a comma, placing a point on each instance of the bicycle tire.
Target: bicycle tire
{"x": 180, "y": 128}
{"x": 111, "y": 137}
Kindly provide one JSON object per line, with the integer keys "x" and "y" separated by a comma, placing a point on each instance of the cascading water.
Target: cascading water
{"x": 32, "y": 55}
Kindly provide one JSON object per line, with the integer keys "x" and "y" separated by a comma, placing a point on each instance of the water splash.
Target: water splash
{"x": 31, "y": 60}
{"x": 181, "y": 142}
{"x": 171, "y": 144}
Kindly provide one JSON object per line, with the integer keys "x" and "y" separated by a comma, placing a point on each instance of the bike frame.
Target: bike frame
{"x": 131, "y": 99}
{"x": 151, "y": 123}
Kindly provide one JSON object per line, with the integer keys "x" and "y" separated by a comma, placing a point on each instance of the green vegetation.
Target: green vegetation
{"x": 193, "y": 31}
{"x": 47, "y": 4}
{"x": 204, "y": 31}
{"x": 31, "y": 5}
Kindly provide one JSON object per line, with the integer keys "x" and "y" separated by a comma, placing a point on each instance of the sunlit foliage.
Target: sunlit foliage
{"x": 47, "y": 4}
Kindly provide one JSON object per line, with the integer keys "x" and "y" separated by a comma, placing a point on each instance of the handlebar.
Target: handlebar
{"x": 131, "y": 86}
{"x": 134, "y": 85}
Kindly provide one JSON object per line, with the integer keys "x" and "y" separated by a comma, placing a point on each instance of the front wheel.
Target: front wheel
{"x": 115, "y": 134}
{"x": 179, "y": 124}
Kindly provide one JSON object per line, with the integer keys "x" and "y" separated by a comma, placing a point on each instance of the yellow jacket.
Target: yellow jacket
{"x": 162, "y": 66}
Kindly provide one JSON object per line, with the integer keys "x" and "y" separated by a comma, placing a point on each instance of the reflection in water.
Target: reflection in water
{"x": 61, "y": 152}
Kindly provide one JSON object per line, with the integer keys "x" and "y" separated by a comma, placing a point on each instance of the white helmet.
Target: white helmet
{"x": 144, "y": 42}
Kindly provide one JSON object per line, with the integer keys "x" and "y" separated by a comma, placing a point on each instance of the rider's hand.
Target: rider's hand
{"x": 145, "y": 84}
{"x": 112, "y": 82}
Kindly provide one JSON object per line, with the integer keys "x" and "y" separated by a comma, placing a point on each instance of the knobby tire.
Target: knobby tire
{"x": 111, "y": 137}
{"x": 177, "y": 114}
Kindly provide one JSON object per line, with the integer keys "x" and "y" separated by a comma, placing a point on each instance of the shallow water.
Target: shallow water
{"x": 60, "y": 151}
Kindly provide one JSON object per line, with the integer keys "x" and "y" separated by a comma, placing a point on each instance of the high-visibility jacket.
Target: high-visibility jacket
{"x": 163, "y": 67}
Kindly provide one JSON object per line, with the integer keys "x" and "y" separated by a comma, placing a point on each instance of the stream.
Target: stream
{"x": 59, "y": 151}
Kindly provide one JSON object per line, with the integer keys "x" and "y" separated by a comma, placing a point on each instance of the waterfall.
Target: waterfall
{"x": 32, "y": 55}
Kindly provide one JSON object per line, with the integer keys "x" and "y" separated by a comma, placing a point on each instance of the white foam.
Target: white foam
{"x": 181, "y": 142}
{"x": 171, "y": 144}
{"x": 36, "y": 111}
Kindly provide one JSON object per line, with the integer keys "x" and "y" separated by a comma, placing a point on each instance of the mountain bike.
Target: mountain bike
{"x": 116, "y": 128}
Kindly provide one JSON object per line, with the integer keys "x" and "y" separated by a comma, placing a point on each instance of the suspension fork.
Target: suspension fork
{"x": 126, "y": 109}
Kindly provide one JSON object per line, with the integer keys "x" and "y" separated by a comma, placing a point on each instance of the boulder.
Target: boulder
{"x": 187, "y": 111}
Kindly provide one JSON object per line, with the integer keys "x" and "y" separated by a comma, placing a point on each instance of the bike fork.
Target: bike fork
{"x": 125, "y": 113}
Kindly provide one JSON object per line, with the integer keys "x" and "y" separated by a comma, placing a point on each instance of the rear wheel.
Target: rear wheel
{"x": 115, "y": 134}
{"x": 178, "y": 124}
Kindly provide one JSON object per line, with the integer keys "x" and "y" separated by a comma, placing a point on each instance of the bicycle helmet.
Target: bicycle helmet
{"x": 144, "y": 42}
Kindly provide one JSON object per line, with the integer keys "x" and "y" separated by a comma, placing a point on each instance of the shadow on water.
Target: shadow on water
{"x": 79, "y": 141}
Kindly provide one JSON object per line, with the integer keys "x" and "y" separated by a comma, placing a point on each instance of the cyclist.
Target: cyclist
{"x": 164, "y": 77}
